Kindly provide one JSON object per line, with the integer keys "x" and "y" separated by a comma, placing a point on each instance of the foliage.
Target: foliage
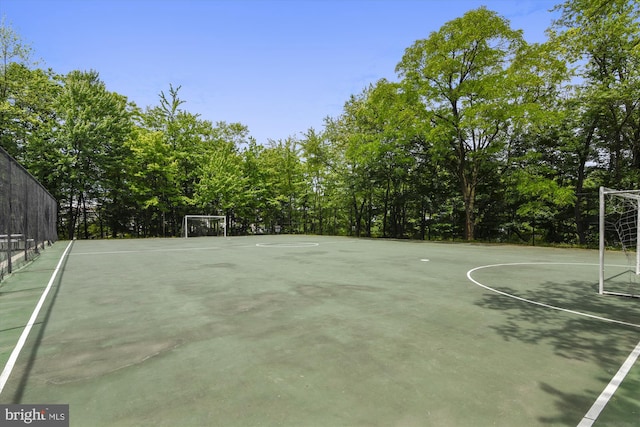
{"x": 93, "y": 126}
{"x": 483, "y": 136}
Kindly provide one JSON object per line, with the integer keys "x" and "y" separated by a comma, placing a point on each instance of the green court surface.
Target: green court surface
{"x": 320, "y": 331}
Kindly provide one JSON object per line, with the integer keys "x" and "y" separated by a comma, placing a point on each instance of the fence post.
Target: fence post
{"x": 25, "y": 226}
{"x": 10, "y": 216}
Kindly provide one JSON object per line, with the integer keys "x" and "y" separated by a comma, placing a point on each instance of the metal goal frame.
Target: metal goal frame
{"x": 633, "y": 195}
{"x": 220, "y": 218}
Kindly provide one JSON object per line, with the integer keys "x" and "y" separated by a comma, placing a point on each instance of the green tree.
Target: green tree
{"x": 31, "y": 123}
{"x": 223, "y": 185}
{"x": 396, "y": 123}
{"x": 14, "y": 82}
{"x": 194, "y": 144}
{"x": 27, "y": 111}
{"x": 151, "y": 174}
{"x": 354, "y": 162}
{"x": 284, "y": 182}
{"x": 532, "y": 190}
{"x": 317, "y": 156}
{"x": 181, "y": 132}
{"x": 601, "y": 41}
{"x": 94, "y": 124}
{"x": 462, "y": 72}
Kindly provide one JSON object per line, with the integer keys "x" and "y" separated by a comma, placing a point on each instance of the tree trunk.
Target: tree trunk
{"x": 469, "y": 196}
{"x": 358, "y": 214}
{"x": 72, "y": 220}
{"x": 468, "y": 185}
{"x": 386, "y": 210}
{"x": 84, "y": 217}
{"x": 582, "y": 158}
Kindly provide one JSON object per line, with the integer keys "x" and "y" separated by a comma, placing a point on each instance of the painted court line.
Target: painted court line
{"x": 288, "y": 245}
{"x": 6, "y": 372}
{"x": 594, "y": 412}
{"x": 146, "y": 250}
{"x": 541, "y": 304}
{"x": 610, "y": 389}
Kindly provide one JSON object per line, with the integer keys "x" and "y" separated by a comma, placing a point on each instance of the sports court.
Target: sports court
{"x": 322, "y": 331}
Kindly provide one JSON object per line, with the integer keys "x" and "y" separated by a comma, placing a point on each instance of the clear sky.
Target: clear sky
{"x": 278, "y": 67}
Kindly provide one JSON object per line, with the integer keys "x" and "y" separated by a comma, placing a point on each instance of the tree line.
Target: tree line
{"x": 482, "y": 137}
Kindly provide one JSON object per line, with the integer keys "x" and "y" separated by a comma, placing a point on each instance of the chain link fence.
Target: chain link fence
{"x": 28, "y": 215}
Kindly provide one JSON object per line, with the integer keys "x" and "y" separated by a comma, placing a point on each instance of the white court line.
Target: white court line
{"x": 602, "y": 400}
{"x": 146, "y": 250}
{"x": 6, "y": 372}
{"x": 593, "y": 413}
{"x": 541, "y": 304}
{"x": 288, "y": 245}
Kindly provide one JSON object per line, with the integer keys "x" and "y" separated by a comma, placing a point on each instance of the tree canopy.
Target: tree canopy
{"x": 482, "y": 137}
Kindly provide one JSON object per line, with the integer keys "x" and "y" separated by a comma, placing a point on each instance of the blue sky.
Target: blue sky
{"x": 278, "y": 67}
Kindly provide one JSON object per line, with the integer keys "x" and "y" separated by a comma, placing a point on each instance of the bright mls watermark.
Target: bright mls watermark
{"x": 34, "y": 415}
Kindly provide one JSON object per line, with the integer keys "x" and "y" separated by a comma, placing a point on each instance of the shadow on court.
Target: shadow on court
{"x": 319, "y": 331}
{"x": 30, "y": 352}
{"x": 574, "y": 337}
